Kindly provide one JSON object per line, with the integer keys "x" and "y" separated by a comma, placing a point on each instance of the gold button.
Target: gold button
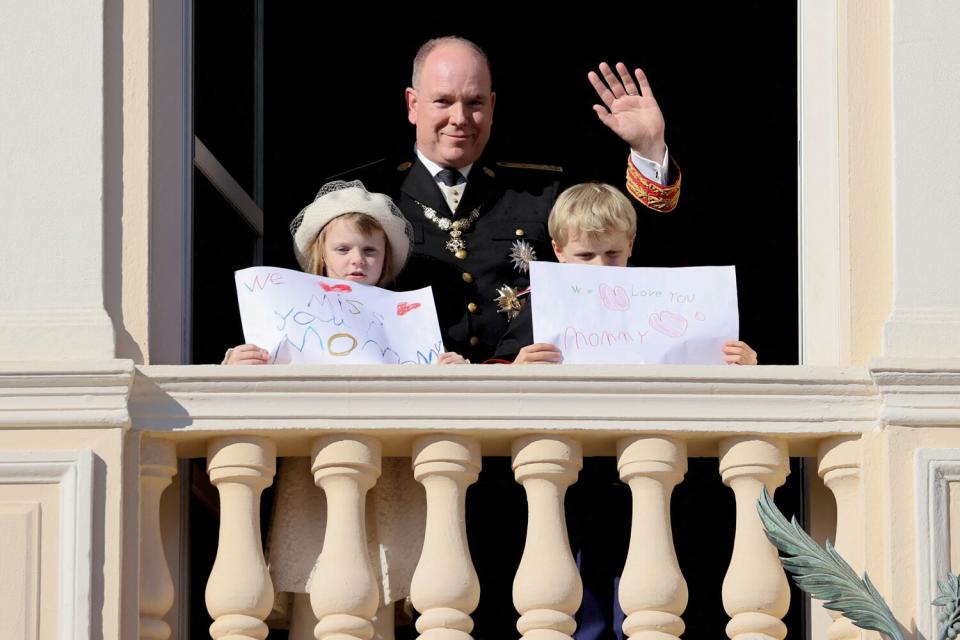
{"x": 468, "y": 278}
{"x": 472, "y": 307}
{"x": 519, "y": 233}
{"x": 474, "y": 341}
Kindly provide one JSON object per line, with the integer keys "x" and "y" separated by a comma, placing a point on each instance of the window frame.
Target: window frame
{"x": 823, "y": 279}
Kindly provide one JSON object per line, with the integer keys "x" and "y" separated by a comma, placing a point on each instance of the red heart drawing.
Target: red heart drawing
{"x": 614, "y": 297}
{"x": 669, "y": 324}
{"x": 404, "y": 307}
{"x": 336, "y": 288}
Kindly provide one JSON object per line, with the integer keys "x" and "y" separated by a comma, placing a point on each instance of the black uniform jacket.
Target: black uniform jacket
{"x": 518, "y": 335}
{"x": 514, "y": 204}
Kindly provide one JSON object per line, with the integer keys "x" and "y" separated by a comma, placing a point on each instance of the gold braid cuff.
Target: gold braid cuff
{"x": 651, "y": 194}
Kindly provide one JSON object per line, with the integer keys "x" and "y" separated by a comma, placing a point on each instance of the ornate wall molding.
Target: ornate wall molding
{"x": 918, "y": 392}
{"x": 77, "y": 395}
{"x": 72, "y": 471}
{"x": 935, "y": 470}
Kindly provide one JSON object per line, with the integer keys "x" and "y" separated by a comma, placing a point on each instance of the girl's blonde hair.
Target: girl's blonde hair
{"x": 364, "y": 224}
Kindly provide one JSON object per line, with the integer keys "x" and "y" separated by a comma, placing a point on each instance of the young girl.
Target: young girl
{"x": 350, "y": 234}
{"x": 346, "y": 233}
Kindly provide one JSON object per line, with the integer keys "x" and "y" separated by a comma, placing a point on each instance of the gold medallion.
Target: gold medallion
{"x": 456, "y": 245}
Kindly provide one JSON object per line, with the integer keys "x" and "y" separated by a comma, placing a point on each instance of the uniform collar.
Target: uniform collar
{"x": 433, "y": 168}
{"x": 421, "y": 186}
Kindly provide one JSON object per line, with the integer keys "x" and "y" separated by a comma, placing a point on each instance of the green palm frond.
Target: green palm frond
{"x": 949, "y": 599}
{"x": 825, "y": 575}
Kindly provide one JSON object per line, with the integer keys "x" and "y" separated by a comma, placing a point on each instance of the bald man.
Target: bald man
{"x": 477, "y": 224}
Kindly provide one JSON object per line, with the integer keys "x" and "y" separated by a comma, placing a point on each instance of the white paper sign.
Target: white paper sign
{"x": 302, "y": 318}
{"x": 634, "y": 314}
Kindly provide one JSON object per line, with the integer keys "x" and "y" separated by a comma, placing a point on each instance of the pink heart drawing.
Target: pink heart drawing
{"x": 614, "y": 297}
{"x": 335, "y": 288}
{"x": 669, "y": 324}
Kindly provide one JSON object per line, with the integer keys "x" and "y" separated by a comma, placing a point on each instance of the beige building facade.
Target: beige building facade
{"x": 95, "y": 413}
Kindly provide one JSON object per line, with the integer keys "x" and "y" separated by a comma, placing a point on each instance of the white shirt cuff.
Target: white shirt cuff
{"x": 658, "y": 172}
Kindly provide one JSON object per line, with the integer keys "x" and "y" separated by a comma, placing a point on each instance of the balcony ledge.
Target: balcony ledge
{"x": 595, "y": 404}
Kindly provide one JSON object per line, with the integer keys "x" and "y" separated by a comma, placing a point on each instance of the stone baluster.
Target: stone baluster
{"x": 343, "y": 590}
{"x": 755, "y": 591}
{"x": 445, "y": 588}
{"x": 158, "y": 465}
{"x": 840, "y": 460}
{"x": 239, "y": 592}
{"x": 653, "y": 593}
{"x": 547, "y": 589}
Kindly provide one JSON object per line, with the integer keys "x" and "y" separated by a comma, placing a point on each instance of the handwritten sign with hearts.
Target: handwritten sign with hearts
{"x": 303, "y": 318}
{"x": 634, "y": 315}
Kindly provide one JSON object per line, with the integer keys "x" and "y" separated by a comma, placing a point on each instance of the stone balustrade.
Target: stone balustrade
{"x": 547, "y": 423}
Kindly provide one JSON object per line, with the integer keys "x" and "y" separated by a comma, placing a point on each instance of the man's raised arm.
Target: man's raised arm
{"x": 630, "y": 110}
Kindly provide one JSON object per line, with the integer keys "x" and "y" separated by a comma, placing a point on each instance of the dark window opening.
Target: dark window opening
{"x": 725, "y": 78}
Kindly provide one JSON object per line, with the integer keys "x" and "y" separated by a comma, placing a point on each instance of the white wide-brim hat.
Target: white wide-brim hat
{"x": 339, "y": 197}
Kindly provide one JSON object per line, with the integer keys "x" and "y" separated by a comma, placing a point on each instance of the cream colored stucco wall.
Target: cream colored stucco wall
{"x": 131, "y": 244}
{"x": 109, "y": 497}
{"x": 925, "y": 59}
{"x": 55, "y": 155}
{"x": 865, "y": 166}
{"x": 891, "y": 536}
{"x": 146, "y": 290}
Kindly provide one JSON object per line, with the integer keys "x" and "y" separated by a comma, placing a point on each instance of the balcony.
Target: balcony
{"x": 446, "y": 419}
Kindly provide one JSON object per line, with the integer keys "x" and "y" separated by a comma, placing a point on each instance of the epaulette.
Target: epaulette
{"x": 526, "y": 165}
{"x": 355, "y": 169}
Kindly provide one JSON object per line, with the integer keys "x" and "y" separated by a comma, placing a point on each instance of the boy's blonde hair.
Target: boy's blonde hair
{"x": 366, "y": 225}
{"x": 591, "y": 209}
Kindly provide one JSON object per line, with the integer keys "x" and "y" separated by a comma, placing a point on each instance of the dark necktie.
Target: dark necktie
{"x": 450, "y": 177}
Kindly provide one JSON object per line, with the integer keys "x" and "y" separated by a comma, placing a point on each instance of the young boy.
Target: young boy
{"x": 590, "y": 223}
{"x": 593, "y": 223}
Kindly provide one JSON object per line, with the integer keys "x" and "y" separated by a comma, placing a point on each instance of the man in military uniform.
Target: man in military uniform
{"x": 476, "y": 225}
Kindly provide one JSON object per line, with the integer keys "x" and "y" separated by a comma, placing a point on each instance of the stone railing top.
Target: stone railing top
{"x": 594, "y": 404}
